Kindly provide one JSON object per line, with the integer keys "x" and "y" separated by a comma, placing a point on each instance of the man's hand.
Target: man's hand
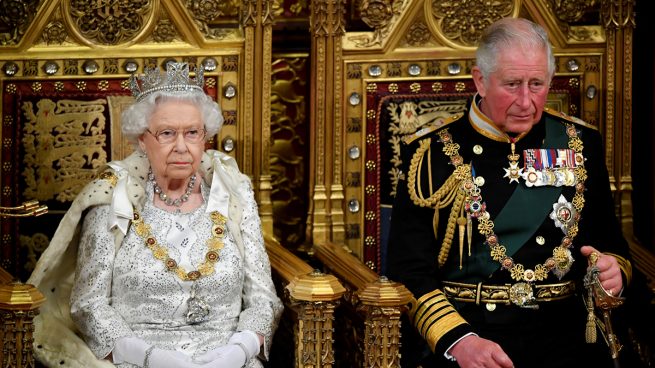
{"x": 476, "y": 352}
{"x": 610, "y": 272}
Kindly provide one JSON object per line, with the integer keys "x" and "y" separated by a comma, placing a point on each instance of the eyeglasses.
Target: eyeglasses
{"x": 166, "y": 136}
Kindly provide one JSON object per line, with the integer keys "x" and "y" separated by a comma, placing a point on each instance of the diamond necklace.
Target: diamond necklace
{"x": 168, "y": 200}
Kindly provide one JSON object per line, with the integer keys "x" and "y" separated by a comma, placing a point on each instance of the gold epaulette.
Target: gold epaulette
{"x": 570, "y": 118}
{"x": 409, "y": 138}
{"x": 434, "y": 316}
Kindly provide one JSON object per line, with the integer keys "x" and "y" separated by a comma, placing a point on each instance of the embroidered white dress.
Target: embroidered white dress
{"x": 130, "y": 293}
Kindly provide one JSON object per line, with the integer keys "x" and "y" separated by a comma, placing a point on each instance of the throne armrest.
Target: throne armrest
{"x": 19, "y": 305}
{"x": 381, "y": 300}
{"x": 312, "y": 296}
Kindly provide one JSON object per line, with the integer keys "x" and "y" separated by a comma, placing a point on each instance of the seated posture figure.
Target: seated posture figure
{"x": 171, "y": 269}
{"x": 500, "y": 211}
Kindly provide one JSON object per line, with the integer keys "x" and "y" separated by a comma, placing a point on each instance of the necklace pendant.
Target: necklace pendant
{"x": 198, "y": 309}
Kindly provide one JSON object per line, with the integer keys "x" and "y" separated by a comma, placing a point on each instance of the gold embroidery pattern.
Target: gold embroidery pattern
{"x": 64, "y": 146}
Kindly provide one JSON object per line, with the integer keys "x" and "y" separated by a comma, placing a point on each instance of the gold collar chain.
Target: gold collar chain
{"x": 214, "y": 245}
{"x": 561, "y": 259}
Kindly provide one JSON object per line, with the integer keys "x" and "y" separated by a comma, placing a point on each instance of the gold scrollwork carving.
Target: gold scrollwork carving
{"x": 376, "y": 13}
{"x": 108, "y": 22}
{"x": 18, "y": 16}
{"x": 54, "y": 33}
{"x": 205, "y": 12}
{"x": 379, "y": 15}
{"x": 164, "y": 31}
{"x": 460, "y": 22}
{"x": 569, "y": 11}
{"x": 418, "y": 34}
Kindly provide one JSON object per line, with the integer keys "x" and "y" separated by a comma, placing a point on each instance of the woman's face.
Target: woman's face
{"x": 178, "y": 157}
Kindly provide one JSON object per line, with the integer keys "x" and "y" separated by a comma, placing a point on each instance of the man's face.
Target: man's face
{"x": 514, "y": 95}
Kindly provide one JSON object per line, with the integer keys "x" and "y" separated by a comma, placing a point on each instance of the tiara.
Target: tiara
{"x": 176, "y": 80}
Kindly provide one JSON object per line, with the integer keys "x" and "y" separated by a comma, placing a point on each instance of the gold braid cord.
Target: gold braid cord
{"x": 449, "y": 193}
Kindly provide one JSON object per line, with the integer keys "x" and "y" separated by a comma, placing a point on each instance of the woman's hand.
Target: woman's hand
{"x": 241, "y": 347}
{"x": 140, "y": 353}
{"x": 226, "y": 356}
{"x": 476, "y": 352}
{"x": 610, "y": 272}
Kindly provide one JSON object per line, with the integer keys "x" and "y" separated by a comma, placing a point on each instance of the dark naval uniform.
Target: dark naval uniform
{"x": 500, "y": 255}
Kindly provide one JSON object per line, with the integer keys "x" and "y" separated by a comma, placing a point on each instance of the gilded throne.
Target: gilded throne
{"x": 316, "y": 125}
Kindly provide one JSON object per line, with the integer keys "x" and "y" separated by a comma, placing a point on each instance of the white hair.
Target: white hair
{"x": 135, "y": 119}
{"x": 507, "y": 33}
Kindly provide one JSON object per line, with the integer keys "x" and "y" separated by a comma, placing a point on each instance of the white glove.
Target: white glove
{"x": 241, "y": 347}
{"x": 134, "y": 350}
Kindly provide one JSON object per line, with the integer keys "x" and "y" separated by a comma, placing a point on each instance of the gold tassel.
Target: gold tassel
{"x": 435, "y": 223}
{"x": 461, "y": 224}
{"x": 469, "y": 231}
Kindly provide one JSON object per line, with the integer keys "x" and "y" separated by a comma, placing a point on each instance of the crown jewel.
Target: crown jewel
{"x": 175, "y": 80}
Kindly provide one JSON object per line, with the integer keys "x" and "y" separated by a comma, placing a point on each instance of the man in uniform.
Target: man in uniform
{"x": 500, "y": 212}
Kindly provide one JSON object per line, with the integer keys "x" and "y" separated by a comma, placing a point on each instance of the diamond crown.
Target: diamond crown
{"x": 175, "y": 80}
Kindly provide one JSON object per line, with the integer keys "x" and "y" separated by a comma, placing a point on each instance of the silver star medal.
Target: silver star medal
{"x": 513, "y": 172}
{"x": 563, "y": 213}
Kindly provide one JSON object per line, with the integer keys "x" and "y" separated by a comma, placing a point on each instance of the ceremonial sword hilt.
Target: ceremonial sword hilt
{"x": 602, "y": 299}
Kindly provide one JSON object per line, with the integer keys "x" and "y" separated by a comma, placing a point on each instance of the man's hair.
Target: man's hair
{"x": 511, "y": 32}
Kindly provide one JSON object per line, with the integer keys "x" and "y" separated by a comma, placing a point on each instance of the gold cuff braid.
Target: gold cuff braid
{"x": 434, "y": 316}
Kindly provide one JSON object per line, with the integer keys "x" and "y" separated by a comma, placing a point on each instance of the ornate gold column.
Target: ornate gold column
{"x": 326, "y": 219}
{"x": 618, "y": 18}
{"x": 257, "y": 22}
{"x": 315, "y": 296}
{"x": 19, "y": 305}
{"x": 383, "y": 302}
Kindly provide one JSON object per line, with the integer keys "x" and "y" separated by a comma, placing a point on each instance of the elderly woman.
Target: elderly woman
{"x": 171, "y": 268}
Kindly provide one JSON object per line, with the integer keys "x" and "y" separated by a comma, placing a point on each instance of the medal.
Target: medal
{"x": 564, "y": 214}
{"x": 552, "y": 167}
{"x": 513, "y": 172}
